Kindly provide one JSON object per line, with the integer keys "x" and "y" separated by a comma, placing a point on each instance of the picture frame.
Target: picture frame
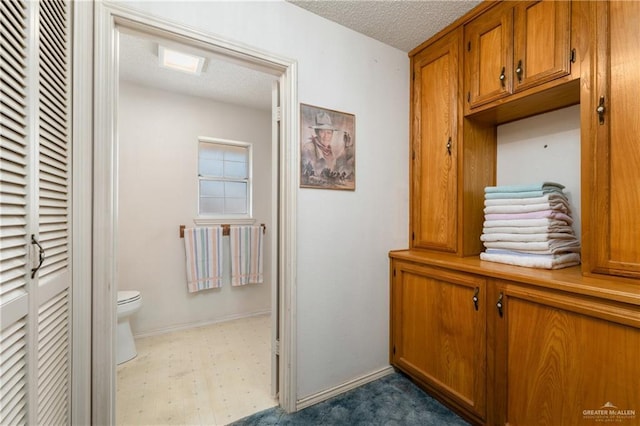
{"x": 327, "y": 149}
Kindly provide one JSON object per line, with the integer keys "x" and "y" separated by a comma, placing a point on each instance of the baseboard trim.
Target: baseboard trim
{"x": 180, "y": 327}
{"x": 340, "y": 389}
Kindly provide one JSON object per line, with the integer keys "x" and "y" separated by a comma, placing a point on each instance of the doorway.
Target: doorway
{"x": 204, "y": 356}
{"x": 110, "y": 21}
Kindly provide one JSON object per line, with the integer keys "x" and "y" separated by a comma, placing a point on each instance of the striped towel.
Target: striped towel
{"x": 247, "y": 255}
{"x": 203, "y": 248}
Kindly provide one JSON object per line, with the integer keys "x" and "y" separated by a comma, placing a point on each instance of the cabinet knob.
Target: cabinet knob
{"x": 502, "y": 77}
{"x": 519, "y": 71}
{"x": 499, "y": 304}
{"x": 601, "y": 110}
{"x": 475, "y": 297}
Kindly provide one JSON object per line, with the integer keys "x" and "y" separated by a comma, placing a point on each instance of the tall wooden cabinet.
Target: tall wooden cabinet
{"x": 611, "y": 128}
{"x": 448, "y": 173}
{"x": 436, "y": 134}
{"x": 541, "y": 347}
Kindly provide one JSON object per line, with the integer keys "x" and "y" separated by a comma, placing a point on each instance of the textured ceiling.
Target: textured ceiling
{"x": 403, "y": 24}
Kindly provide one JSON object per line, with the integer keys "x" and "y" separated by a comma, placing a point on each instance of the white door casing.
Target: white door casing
{"x": 108, "y": 18}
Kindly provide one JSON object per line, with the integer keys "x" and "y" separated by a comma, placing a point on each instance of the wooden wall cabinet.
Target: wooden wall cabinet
{"x": 561, "y": 344}
{"x": 436, "y": 111}
{"x": 611, "y": 140}
{"x": 448, "y": 173}
{"x": 558, "y": 356}
{"x": 438, "y": 333}
{"x": 516, "y": 46}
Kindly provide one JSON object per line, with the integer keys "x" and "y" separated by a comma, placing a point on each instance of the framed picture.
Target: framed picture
{"x": 327, "y": 149}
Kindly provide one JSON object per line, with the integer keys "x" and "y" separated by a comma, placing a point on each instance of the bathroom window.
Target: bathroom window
{"x": 224, "y": 178}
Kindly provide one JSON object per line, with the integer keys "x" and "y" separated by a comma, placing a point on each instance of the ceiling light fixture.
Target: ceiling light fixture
{"x": 179, "y": 61}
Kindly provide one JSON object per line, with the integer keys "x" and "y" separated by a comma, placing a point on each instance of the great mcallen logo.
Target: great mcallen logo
{"x": 609, "y": 413}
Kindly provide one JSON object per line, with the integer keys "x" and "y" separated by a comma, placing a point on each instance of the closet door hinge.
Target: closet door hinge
{"x": 394, "y": 349}
{"x": 469, "y": 47}
{"x": 413, "y": 236}
{"x": 394, "y": 272}
{"x": 277, "y": 347}
{"x": 573, "y": 56}
{"x": 278, "y": 113}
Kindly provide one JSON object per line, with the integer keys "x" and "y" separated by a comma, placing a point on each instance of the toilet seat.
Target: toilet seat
{"x": 128, "y": 296}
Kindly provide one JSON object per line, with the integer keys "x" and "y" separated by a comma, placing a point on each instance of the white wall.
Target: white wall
{"x": 343, "y": 237}
{"x": 158, "y": 192}
{"x": 543, "y": 148}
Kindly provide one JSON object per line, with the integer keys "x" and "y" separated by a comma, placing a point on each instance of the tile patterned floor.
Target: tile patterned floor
{"x": 211, "y": 375}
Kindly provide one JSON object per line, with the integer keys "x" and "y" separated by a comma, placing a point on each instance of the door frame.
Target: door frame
{"x": 108, "y": 18}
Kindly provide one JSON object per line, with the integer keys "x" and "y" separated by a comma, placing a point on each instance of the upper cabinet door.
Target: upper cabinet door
{"x": 612, "y": 156}
{"x": 515, "y": 46}
{"x": 488, "y": 42}
{"x": 435, "y": 140}
{"x": 542, "y": 42}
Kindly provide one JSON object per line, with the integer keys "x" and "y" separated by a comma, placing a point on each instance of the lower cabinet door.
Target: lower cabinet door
{"x": 563, "y": 360}
{"x": 438, "y": 325}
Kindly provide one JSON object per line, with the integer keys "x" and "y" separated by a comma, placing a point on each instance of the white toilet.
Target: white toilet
{"x": 129, "y": 302}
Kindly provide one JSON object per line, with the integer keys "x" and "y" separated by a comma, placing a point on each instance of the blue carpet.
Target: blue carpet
{"x": 391, "y": 401}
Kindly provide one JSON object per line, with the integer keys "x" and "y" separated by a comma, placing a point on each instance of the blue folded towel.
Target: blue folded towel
{"x": 545, "y": 187}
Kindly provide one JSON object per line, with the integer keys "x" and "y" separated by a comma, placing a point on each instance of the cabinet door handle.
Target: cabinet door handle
{"x": 449, "y": 146}
{"x": 40, "y": 256}
{"x": 475, "y": 297}
{"x": 519, "y": 71}
{"x": 502, "y": 77}
{"x": 499, "y": 304}
{"x": 601, "y": 110}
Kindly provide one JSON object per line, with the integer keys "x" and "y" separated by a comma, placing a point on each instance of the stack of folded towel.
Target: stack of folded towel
{"x": 529, "y": 225}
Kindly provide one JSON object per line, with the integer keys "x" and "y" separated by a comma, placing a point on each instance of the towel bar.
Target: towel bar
{"x": 225, "y": 229}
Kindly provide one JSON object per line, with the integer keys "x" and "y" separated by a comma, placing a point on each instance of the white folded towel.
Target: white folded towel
{"x": 559, "y": 204}
{"x": 553, "y": 196}
{"x": 555, "y": 261}
{"x": 528, "y": 229}
{"x": 521, "y": 194}
{"x": 524, "y": 222}
{"x": 545, "y": 236}
{"x": 538, "y": 247}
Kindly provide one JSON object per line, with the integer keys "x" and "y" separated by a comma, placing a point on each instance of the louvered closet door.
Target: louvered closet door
{"x": 14, "y": 201}
{"x": 35, "y": 348}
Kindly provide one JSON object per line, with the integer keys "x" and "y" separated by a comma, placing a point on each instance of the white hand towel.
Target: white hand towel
{"x": 556, "y": 205}
{"x": 551, "y": 262}
{"x": 527, "y": 237}
{"x": 528, "y": 229}
{"x": 553, "y": 196}
{"x": 539, "y": 247}
{"x": 524, "y": 223}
